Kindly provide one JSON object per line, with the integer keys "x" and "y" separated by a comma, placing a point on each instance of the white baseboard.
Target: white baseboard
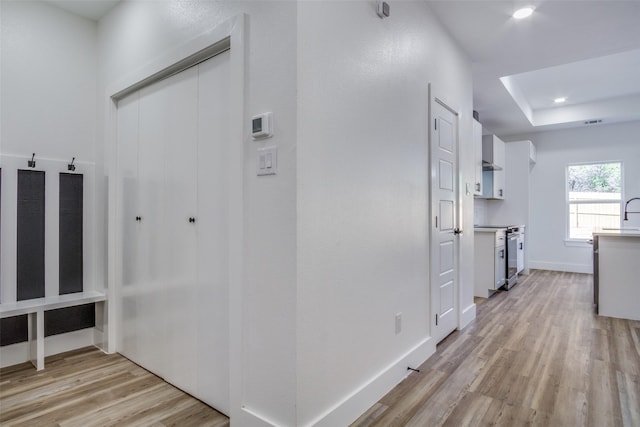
{"x": 247, "y": 417}
{"x": 56, "y": 344}
{"x": 14, "y": 354}
{"x": 18, "y": 353}
{"x": 348, "y": 410}
{"x": 467, "y": 316}
{"x": 558, "y": 266}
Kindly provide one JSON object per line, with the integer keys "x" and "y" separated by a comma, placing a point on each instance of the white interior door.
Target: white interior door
{"x": 173, "y": 147}
{"x": 444, "y": 234}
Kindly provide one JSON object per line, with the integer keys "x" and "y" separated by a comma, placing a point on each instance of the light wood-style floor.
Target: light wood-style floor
{"x": 535, "y": 355}
{"x": 87, "y": 388}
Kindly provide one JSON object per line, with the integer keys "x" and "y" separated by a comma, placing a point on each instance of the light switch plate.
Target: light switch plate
{"x": 267, "y": 161}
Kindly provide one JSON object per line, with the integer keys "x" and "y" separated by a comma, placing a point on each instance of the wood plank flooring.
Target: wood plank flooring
{"x": 535, "y": 355}
{"x": 87, "y": 388}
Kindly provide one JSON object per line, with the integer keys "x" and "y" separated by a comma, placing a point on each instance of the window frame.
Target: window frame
{"x": 568, "y": 203}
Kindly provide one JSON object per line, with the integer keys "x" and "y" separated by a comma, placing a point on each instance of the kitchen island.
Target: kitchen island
{"x": 617, "y": 273}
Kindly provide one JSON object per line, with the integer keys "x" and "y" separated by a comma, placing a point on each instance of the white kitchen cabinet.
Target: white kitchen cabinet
{"x": 489, "y": 261}
{"x": 493, "y": 150}
{"x": 493, "y": 161}
{"x": 172, "y": 228}
{"x": 616, "y": 272}
{"x": 532, "y": 153}
{"x": 477, "y": 146}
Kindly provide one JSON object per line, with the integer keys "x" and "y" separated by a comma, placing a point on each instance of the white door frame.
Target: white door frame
{"x": 458, "y": 214}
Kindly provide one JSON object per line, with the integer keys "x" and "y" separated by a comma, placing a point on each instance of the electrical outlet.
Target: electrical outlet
{"x": 398, "y": 323}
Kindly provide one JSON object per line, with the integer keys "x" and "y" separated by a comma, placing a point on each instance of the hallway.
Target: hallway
{"x": 535, "y": 355}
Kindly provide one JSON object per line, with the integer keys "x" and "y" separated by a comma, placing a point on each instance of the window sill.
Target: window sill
{"x": 575, "y": 243}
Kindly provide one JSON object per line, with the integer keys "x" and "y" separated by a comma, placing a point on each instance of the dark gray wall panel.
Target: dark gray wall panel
{"x": 0, "y": 219}
{"x": 14, "y": 330}
{"x": 69, "y": 319}
{"x": 70, "y": 238}
{"x": 30, "y": 247}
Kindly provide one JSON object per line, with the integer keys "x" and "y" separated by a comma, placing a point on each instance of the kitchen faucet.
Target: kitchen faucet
{"x": 626, "y": 216}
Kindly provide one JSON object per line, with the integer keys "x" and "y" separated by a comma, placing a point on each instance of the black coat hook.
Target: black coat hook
{"x": 32, "y": 163}
{"x": 71, "y": 166}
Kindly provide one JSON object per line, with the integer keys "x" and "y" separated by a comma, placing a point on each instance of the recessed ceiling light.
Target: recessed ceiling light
{"x": 560, "y": 100}
{"x": 593, "y": 122}
{"x": 523, "y": 13}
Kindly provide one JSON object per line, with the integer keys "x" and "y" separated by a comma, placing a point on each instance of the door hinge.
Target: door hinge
{"x": 436, "y": 221}
{"x": 435, "y": 124}
{"x": 436, "y": 319}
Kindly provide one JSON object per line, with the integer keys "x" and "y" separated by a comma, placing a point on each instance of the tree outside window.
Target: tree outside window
{"x": 594, "y": 197}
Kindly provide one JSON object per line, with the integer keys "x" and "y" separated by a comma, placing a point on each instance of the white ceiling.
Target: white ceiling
{"x": 91, "y": 9}
{"x": 587, "y": 51}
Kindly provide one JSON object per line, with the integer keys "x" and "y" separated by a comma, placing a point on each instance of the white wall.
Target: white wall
{"x": 49, "y": 64}
{"x": 555, "y": 150}
{"x": 318, "y": 308}
{"x": 363, "y": 198}
{"x": 134, "y": 34}
{"x": 48, "y": 69}
{"x": 48, "y": 98}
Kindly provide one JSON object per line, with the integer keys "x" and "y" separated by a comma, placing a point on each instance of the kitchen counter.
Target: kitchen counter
{"x": 618, "y": 232}
{"x": 616, "y": 272}
{"x": 487, "y": 230}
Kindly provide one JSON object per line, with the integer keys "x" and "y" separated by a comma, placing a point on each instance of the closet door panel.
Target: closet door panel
{"x": 213, "y": 237}
{"x": 181, "y": 224}
{"x": 153, "y": 125}
{"x": 128, "y": 227}
{"x": 174, "y": 266}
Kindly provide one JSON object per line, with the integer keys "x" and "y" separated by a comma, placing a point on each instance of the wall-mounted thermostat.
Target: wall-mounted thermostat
{"x": 262, "y": 125}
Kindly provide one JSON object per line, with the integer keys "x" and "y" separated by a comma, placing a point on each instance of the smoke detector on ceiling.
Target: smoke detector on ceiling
{"x": 384, "y": 10}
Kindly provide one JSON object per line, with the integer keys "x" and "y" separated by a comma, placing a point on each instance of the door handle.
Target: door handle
{"x": 457, "y": 231}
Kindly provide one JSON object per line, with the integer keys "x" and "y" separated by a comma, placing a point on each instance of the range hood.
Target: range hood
{"x": 487, "y": 166}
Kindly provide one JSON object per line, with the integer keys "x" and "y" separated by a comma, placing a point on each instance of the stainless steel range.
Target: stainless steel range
{"x": 514, "y": 251}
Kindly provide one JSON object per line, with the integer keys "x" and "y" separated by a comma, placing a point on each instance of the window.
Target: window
{"x": 594, "y": 197}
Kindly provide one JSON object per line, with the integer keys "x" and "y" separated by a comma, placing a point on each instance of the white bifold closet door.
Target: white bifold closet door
{"x": 173, "y": 228}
